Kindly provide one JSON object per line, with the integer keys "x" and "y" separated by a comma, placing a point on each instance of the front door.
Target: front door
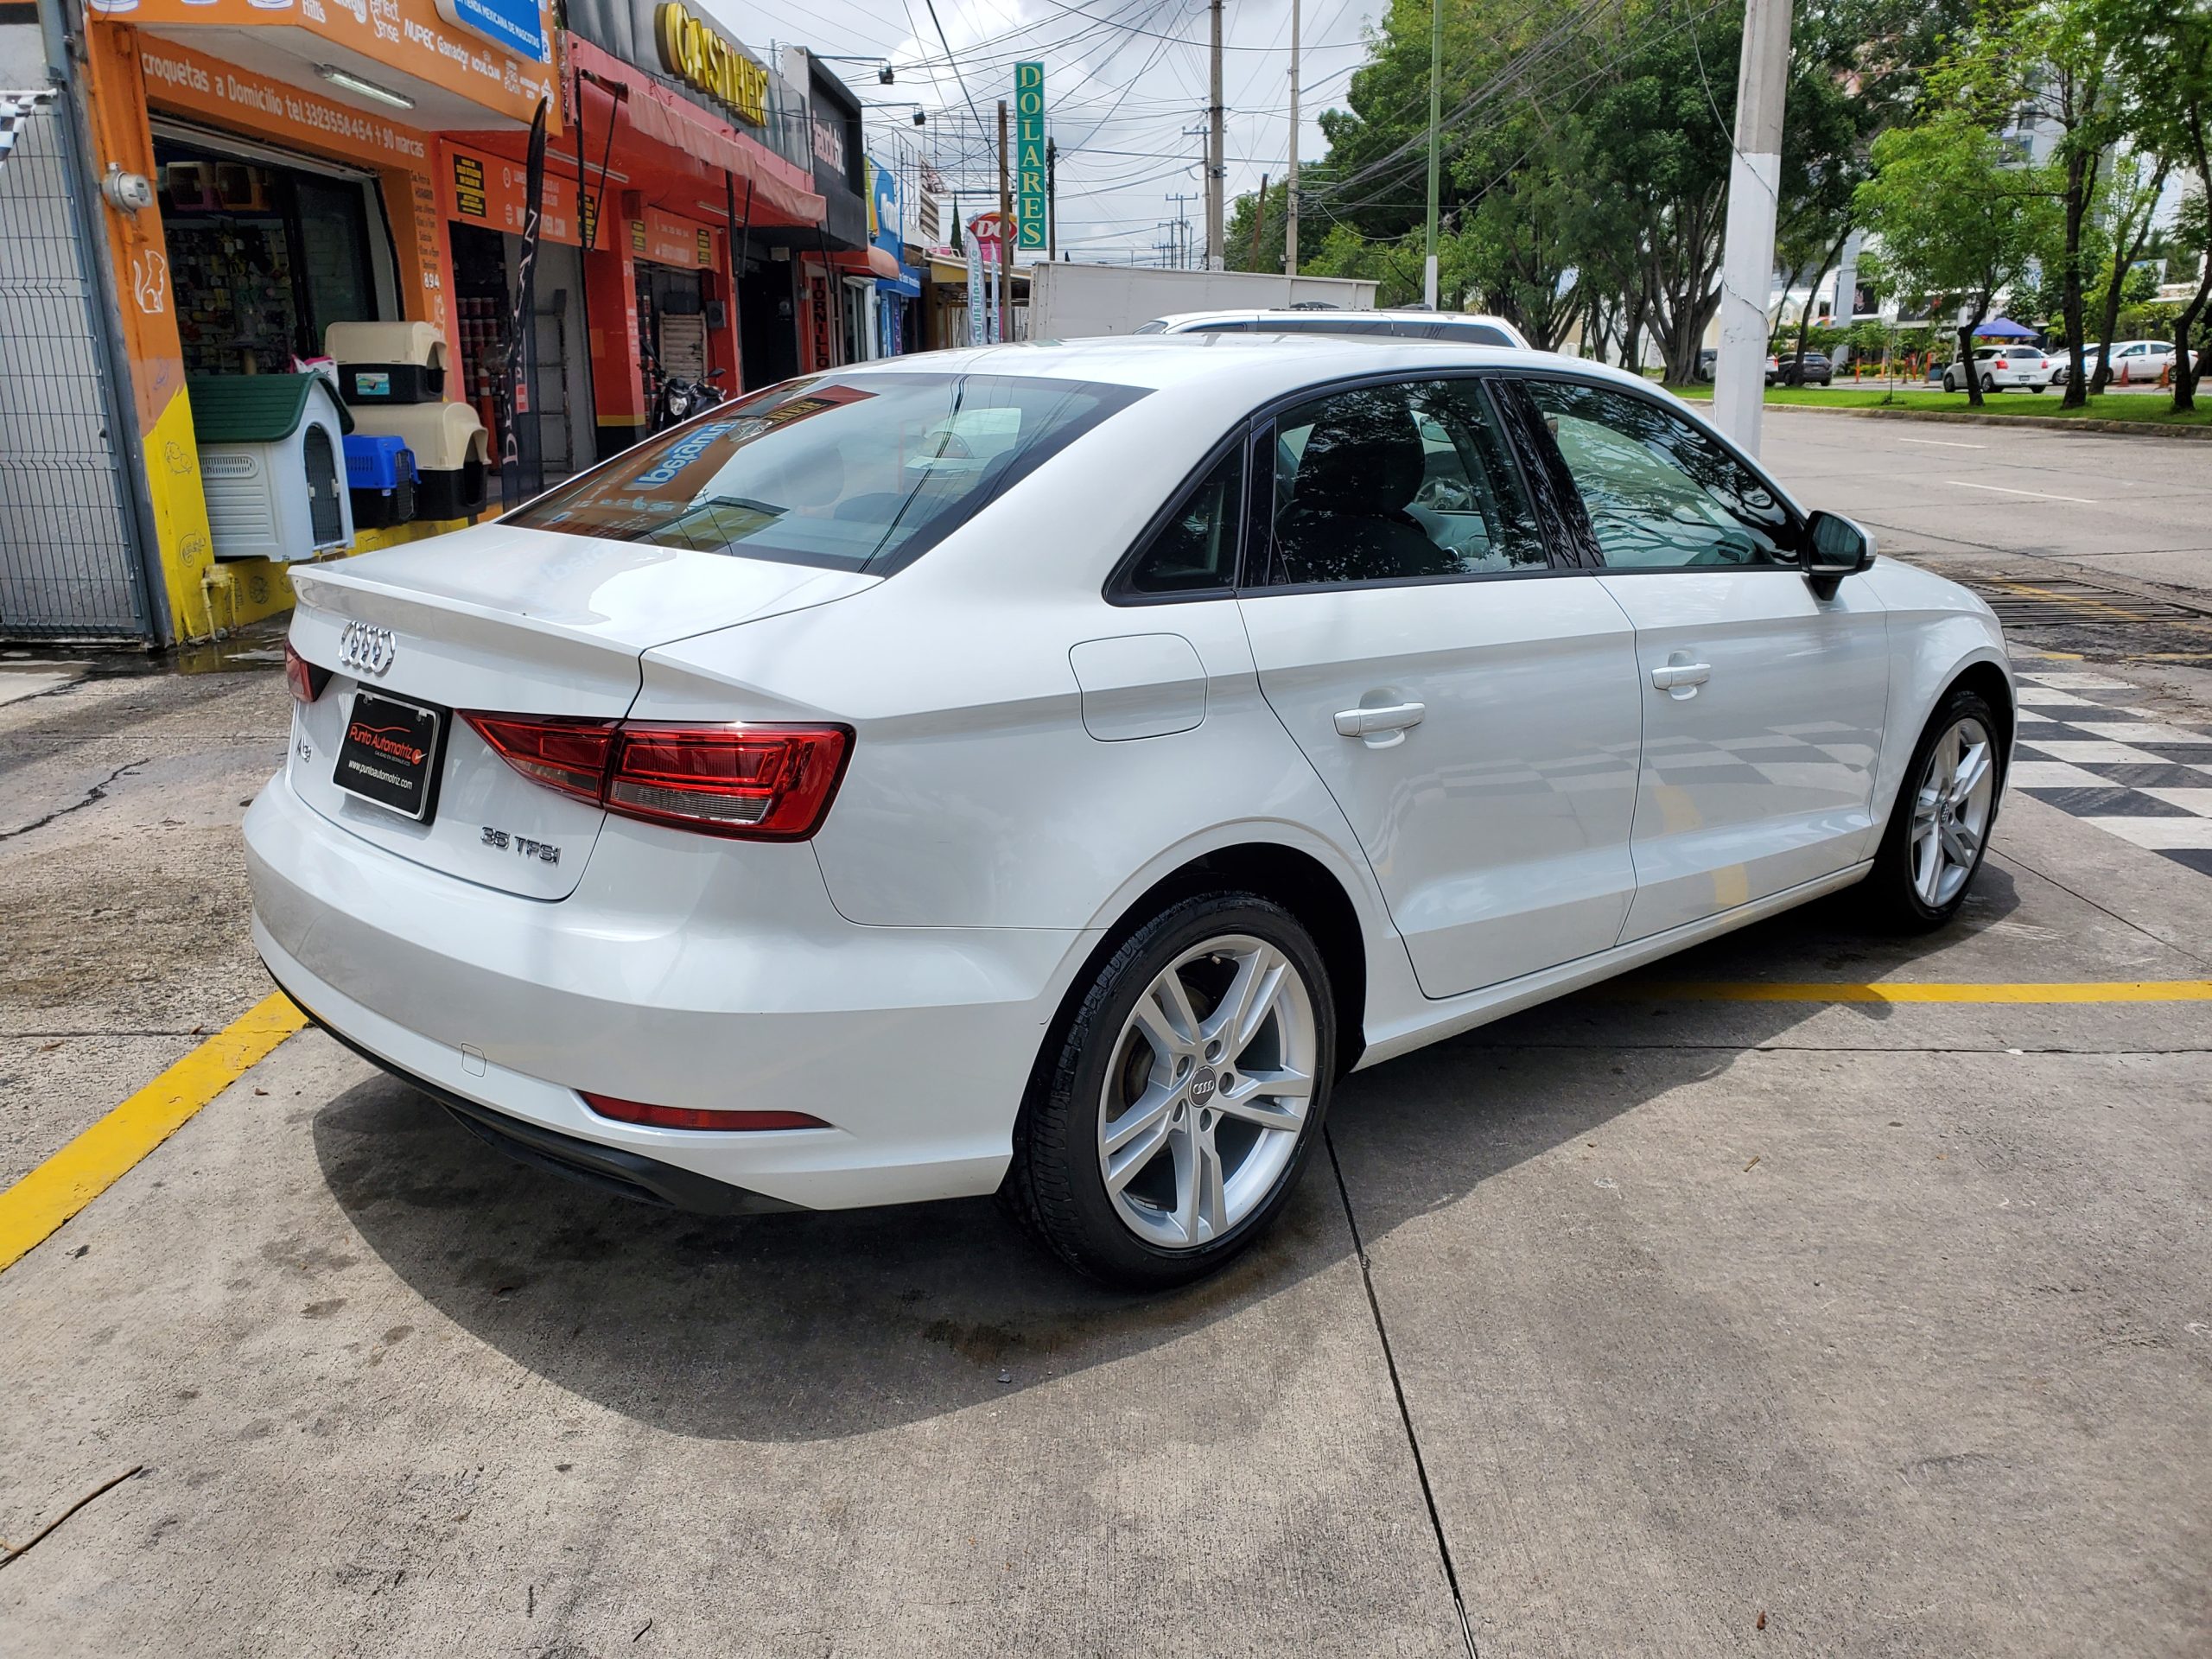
{"x": 1474, "y": 712}
{"x": 1763, "y": 703}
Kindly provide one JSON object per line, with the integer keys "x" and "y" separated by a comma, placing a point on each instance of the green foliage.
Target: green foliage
{"x": 1957, "y": 222}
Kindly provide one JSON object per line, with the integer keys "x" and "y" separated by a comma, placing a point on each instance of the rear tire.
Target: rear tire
{"x": 1944, "y": 814}
{"x": 1176, "y": 1104}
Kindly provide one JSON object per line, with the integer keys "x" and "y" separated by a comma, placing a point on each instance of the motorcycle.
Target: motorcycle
{"x": 677, "y": 399}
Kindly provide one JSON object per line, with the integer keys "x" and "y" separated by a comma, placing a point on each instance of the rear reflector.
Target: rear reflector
{"x": 691, "y": 1117}
{"x": 306, "y": 680}
{"x": 762, "y": 782}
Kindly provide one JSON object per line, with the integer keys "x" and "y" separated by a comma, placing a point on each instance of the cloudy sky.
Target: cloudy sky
{"x": 1123, "y": 78}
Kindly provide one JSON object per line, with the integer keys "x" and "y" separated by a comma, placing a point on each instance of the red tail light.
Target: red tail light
{"x": 306, "y": 680}
{"x": 570, "y": 755}
{"x": 761, "y": 783}
{"x": 691, "y": 1117}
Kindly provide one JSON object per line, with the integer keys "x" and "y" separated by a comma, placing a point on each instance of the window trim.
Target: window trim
{"x": 1556, "y": 462}
{"x": 1116, "y": 589}
{"x": 1259, "y": 561}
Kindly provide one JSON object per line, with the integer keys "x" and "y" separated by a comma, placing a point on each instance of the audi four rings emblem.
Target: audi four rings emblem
{"x": 365, "y": 648}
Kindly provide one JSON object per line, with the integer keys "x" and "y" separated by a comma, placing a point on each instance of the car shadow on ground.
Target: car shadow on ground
{"x": 817, "y": 1326}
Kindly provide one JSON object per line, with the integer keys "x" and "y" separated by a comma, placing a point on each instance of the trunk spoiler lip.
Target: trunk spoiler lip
{"x": 372, "y": 595}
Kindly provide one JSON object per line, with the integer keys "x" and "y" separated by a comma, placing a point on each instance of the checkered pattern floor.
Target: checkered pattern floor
{"x": 2083, "y": 748}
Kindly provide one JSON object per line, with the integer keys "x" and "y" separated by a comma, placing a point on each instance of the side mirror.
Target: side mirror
{"x": 1835, "y": 548}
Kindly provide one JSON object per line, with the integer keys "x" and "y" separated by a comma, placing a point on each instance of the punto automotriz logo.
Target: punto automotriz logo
{"x": 382, "y": 739}
{"x": 679, "y": 455}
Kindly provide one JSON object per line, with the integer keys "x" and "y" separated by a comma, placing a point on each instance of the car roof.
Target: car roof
{"x": 1261, "y": 364}
{"x": 1179, "y": 320}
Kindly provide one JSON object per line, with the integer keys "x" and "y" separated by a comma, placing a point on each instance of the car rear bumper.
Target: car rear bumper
{"x": 681, "y": 972}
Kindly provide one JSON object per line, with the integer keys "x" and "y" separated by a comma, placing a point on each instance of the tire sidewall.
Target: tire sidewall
{"x": 1110, "y": 1249}
{"x": 1893, "y": 866}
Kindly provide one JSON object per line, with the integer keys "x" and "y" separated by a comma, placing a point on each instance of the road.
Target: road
{"x": 2087, "y": 523}
{"x": 1713, "y": 1313}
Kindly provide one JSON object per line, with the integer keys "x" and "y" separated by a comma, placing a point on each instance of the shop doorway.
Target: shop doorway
{"x": 768, "y": 328}
{"x": 487, "y": 270}
{"x": 263, "y": 257}
{"x": 672, "y": 325}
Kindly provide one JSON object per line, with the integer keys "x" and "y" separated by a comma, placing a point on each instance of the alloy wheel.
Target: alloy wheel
{"x": 1208, "y": 1091}
{"x": 1951, "y": 811}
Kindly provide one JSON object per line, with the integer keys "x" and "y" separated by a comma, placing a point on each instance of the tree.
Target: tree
{"x": 1247, "y": 218}
{"x": 2057, "y": 63}
{"x": 2133, "y": 184}
{"x": 2167, "y": 61}
{"x": 1957, "y": 220}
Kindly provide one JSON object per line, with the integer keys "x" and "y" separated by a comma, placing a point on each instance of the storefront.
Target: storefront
{"x": 292, "y": 179}
{"x": 484, "y": 200}
{"x": 824, "y": 271}
{"x": 671, "y": 150}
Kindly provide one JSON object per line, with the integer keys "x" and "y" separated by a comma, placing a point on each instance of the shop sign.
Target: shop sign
{"x": 885, "y": 226}
{"x": 1029, "y": 154}
{"x": 179, "y": 78}
{"x": 697, "y": 54}
{"x": 830, "y": 144}
{"x": 667, "y": 240}
{"x": 494, "y": 191}
{"x": 410, "y": 36}
{"x": 518, "y": 25}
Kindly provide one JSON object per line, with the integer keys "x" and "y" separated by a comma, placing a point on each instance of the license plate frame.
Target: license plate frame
{"x": 400, "y": 777}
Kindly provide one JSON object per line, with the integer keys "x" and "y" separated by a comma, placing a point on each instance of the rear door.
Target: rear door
{"x": 1473, "y": 711}
{"x": 1762, "y": 703}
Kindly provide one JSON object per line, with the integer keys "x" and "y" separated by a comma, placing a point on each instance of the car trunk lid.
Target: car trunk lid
{"x": 512, "y": 621}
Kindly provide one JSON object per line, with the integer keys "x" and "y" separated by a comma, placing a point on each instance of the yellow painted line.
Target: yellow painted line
{"x": 96, "y": 1159}
{"x": 2122, "y": 990}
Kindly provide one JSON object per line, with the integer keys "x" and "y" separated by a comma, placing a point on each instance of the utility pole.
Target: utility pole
{"x": 1435, "y": 119}
{"x": 1216, "y": 156}
{"x": 1747, "y": 252}
{"x": 1052, "y": 199}
{"x": 1290, "y": 228}
{"x": 1182, "y": 230}
{"x": 1006, "y": 236}
{"x": 1259, "y": 221}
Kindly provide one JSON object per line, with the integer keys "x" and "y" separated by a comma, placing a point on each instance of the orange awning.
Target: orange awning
{"x": 652, "y": 112}
{"x": 871, "y": 259}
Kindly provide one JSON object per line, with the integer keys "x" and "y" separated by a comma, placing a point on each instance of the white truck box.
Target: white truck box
{"x": 1069, "y": 301}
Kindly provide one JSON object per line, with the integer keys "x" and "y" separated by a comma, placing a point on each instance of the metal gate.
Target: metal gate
{"x": 69, "y": 562}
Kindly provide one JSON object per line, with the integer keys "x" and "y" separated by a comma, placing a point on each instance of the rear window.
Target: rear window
{"x": 847, "y": 471}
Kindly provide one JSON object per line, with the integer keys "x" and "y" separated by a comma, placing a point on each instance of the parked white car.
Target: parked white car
{"x": 2140, "y": 362}
{"x": 1465, "y": 328}
{"x": 1048, "y": 769}
{"x": 2000, "y": 368}
{"x": 2134, "y": 362}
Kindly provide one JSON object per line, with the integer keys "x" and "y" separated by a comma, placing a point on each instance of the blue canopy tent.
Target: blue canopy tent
{"x": 2003, "y": 328}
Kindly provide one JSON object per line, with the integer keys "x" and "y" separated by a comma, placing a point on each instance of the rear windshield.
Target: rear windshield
{"x": 854, "y": 472}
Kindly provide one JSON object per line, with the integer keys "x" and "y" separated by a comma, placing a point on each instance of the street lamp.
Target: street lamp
{"x": 883, "y": 72}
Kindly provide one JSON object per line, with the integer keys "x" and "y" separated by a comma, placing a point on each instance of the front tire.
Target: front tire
{"x": 1939, "y": 827}
{"x": 1178, "y": 1103}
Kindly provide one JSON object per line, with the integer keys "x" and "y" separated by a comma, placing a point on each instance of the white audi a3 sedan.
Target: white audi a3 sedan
{"x": 1048, "y": 769}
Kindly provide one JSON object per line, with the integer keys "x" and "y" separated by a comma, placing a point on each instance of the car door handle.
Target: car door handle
{"x": 1366, "y": 722}
{"x": 1674, "y": 674}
